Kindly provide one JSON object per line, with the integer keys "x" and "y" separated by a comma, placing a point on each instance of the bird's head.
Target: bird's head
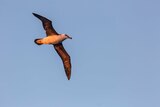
{"x": 38, "y": 41}
{"x": 66, "y": 36}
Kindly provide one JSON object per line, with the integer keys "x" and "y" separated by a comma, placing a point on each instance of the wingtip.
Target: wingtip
{"x": 35, "y": 14}
{"x": 68, "y": 76}
{"x": 42, "y": 18}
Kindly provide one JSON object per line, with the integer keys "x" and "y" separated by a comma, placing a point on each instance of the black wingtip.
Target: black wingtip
{"x": 68, "y": 78}
{"x": 42, "y": 18}
{"x": 36, "y": 15}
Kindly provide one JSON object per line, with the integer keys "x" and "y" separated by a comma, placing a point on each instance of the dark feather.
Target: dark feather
{"x": 65, "y": 58}
{"x": 47, "y": 25}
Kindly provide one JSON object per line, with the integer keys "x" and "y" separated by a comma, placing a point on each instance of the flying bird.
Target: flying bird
{"x": 55, "y": 39}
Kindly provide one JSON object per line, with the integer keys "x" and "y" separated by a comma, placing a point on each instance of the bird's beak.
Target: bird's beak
{"x": 69, "y": 37}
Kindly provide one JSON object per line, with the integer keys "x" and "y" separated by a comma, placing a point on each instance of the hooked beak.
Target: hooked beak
{"x": 69, "y": 37}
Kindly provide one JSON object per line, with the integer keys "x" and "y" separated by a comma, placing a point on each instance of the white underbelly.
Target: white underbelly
{"x": 52, "y": 40}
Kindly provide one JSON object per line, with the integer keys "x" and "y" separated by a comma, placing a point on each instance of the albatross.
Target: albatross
{"x": 55, "y": 39}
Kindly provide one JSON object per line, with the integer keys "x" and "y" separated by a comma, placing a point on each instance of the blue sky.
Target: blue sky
{"x": 115, "y": 54}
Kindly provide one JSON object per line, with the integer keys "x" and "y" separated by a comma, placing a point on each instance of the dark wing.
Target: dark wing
{"x": 47, "y": 25}
{"x": 65, "y": 58}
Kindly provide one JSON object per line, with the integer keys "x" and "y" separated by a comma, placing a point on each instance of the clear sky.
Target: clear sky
{"x": 115, "y": 54}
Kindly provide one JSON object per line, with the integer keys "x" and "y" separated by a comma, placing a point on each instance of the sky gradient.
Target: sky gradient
{"x": 115, "y": 54}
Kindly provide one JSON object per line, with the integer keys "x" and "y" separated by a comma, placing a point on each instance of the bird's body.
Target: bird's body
{"x": 55, "y": 39}
{"x": 52, "y": 39}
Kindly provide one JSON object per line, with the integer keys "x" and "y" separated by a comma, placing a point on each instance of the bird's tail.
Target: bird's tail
{"x": 37, "y": 41}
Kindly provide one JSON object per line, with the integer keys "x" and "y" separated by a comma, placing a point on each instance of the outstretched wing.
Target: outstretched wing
{"x": 65, "y": 58}
{"x": 47, "y": 25}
